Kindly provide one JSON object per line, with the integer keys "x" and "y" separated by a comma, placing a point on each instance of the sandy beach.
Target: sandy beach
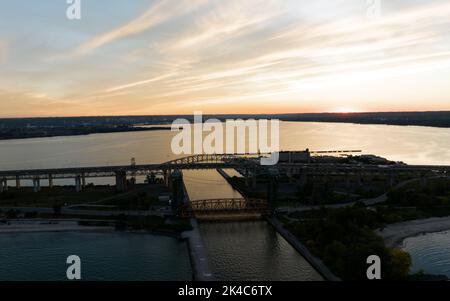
{"x": 394, "y": 234}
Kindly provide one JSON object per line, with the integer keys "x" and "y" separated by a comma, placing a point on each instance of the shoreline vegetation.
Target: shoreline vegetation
{"x": 24, "y": 128}
{"x": 343, "y": 237}
{"x": 137, "y": 210}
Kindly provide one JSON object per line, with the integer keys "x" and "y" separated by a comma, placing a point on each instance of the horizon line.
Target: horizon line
{"x": 225, "y": 114}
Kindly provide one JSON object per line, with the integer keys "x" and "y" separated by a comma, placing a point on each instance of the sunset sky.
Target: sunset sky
{"x": 140, "y": 57}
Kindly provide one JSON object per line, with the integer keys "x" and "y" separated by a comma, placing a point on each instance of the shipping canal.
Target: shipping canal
{"x": 244, "y": 250}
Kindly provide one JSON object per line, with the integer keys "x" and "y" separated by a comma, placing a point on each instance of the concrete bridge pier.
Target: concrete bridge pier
{"x": 78, "y": 187}
{"x": 3, "y": 185}
{"x": 36, "y": 185}
{"x": 83, "y": 181}
{"x": 17, "y": 182}
{"x": 50, "y": 181}
{"x": 176, "y": 179}
{"x": 121, "y": 181}
{"x": 166, "y": 178}
{"x": 167, "y": 175}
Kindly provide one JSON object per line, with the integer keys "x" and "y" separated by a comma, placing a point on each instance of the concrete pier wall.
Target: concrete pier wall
{"x": 197, "y": 253}
{"x": 297, "y": 245}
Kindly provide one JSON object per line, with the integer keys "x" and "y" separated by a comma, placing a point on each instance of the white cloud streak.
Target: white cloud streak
{"x": 161, "y": 12}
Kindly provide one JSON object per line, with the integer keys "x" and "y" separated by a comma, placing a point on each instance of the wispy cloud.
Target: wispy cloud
{"x": 227, "y": 20}
{"x": 139, "y": 83}
{"x": 220, "y": 55}
{"x": 161, "y": 12}
{"x": 311, "y": 51}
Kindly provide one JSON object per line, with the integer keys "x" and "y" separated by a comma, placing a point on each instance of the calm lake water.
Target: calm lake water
{"x": 430, "y": 253}
{"x": 413, "y": 145}
{"x": 232, "y": 247}
{"x": 104, "y": 256}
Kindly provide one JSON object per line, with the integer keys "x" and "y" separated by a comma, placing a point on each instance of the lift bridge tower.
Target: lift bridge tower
{"x": 177, "y": 187}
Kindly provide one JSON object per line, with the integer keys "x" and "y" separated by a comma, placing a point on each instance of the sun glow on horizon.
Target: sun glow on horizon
{"x": 224, "y": 56}
{"x": 346, "y": 111}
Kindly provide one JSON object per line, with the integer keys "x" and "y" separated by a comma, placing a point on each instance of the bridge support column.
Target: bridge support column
{"x": 83, "y": 181}
{"x": 121, "y": 181}
{"x": 166, "y": 178}
{"x": 5, "y": 185}
{"x": 78, "y": 187}
{"x": 36, "y": 185}
{"x": 50, "y": 181}
{"x": 176, "y": 179}
{"x": 2, "y": 189}
{"x": 272, "y": 188}
{"x": 17, "y": 182}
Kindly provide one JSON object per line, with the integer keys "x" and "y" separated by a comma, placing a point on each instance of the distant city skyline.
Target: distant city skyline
{"x": 174, "y": 57}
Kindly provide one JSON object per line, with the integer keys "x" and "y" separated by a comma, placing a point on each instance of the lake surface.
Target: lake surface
{"x": 104, "y": 256}
{"x": 430, "y": 253}
{"x": 246, "y": 251}
{"x": 411, "y": 144}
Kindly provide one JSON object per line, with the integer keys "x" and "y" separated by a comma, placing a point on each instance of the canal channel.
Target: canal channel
{"x": 244, "y": 250}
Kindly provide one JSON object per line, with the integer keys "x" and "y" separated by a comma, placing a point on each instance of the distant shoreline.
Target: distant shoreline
{"x": 26, "y": 128}
{"x": 84, "y": 132}
{"x": 47, "y": 226}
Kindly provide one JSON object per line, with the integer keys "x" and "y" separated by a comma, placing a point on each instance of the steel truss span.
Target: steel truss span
{"x": 202, "y": 162}
{"x": 225, "y": 206}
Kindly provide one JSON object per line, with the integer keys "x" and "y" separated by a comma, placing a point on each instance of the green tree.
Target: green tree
{"x": 399, "y": 265}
